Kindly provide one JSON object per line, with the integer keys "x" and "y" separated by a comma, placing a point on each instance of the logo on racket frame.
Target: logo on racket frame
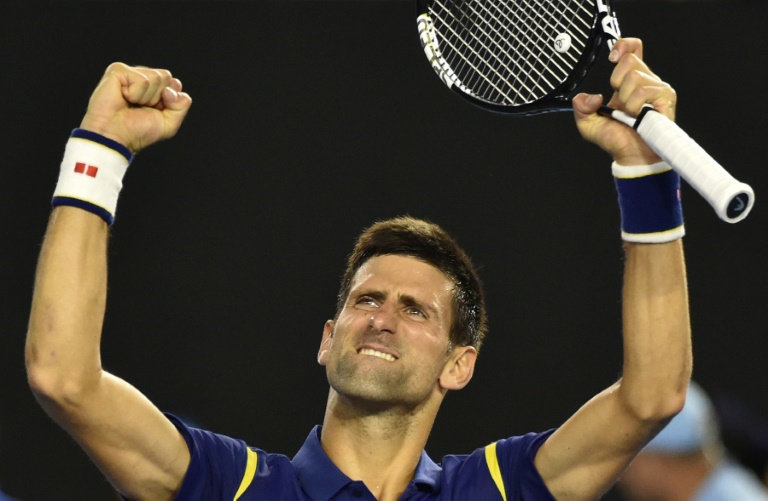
{"x": 435, "y": 55}
{"x": 609, "y": 23}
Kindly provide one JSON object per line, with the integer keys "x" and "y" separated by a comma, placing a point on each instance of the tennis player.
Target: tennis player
{"x": 408, "y": 327}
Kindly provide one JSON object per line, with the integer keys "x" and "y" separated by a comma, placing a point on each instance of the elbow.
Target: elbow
{"x": 668, "y": 407}
{"x": 43, "y": 383}
{"x": 54, "y": 387}
{"x": 57, "y": 394}
{"x": 48, "y": 387}
{"x": 657, "y": 407}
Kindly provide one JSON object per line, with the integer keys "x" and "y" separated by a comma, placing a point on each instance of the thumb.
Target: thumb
{"x": 585, "y": 105}
{"x": 590, "y": 124}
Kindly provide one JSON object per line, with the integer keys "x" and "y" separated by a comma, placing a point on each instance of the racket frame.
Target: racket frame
{"x": 604, "y": 28}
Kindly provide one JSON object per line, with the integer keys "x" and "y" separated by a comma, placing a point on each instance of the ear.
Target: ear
{"x": 459, "y": 368}
{"x": 325, "y": 344}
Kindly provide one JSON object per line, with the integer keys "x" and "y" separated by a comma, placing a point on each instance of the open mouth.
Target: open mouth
{"x": 377, "y": 354}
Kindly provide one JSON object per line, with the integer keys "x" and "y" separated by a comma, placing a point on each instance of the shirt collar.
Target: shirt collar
{"x": 428, "y": 473}
{"x": 322, "y": 479}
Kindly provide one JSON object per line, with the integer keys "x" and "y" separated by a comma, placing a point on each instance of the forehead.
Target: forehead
{"x": 404, "y": 274}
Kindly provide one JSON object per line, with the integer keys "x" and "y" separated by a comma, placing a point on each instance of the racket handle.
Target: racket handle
{"x": 731, "y": 199}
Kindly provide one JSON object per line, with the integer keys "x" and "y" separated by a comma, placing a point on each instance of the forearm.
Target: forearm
{"x": 657, "y": 334}
{"x": 62, "y": 349}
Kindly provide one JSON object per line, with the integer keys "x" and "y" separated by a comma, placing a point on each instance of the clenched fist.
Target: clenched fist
{"x": 136, "y": 106}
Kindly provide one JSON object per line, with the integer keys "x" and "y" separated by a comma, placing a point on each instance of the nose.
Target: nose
{"x": 384, "y": 319}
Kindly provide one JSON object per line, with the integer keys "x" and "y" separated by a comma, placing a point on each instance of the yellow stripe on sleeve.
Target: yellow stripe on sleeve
{"x": 250, "y": 472}
{"x": 493, "y": 465}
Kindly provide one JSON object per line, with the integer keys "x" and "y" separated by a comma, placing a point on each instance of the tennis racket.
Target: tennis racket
{"x": 526, "y": 57}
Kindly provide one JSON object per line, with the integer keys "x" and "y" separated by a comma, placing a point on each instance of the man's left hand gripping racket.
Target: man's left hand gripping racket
{"x": 526, "y": 57}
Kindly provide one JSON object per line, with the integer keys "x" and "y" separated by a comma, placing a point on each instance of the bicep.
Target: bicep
{"x": 139, "y": 450}
{"x": 585, "y": 456}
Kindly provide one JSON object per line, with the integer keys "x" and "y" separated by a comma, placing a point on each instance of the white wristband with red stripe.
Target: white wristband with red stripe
{"x": 91, "y": 174}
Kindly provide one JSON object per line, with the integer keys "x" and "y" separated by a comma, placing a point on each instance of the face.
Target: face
{"x": 390, "y": 342}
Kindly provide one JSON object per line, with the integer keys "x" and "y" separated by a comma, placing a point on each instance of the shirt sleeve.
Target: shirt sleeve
{"x": 217, "y": 464}
{"x": 501, "y": 471}
{"x": 521, "y": 479}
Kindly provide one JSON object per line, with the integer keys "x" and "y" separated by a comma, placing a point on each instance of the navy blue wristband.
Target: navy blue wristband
{"x": 649, "y": 198}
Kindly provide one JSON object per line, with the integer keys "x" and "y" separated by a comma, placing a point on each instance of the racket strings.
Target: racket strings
{"x": 530, "y": 26}
{"x": 535, "y": 22}
{"x": 528, "y": 65}
{"x": 546, "y": 20}
{"x": 484, "y": 72}
{"x": 467, "y": 56}
{"x": 504, "y": 52}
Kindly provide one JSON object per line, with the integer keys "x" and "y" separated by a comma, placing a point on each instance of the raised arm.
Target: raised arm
{"x": 130, "y": 440}
{"x": 586, "y": 455}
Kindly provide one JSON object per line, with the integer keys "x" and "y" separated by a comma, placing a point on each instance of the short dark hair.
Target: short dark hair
{"x": 428, "y": 242}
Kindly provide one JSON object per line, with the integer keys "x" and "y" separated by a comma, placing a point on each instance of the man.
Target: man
{"x": 409, "y": 323}
{"x": 688, "y": 461}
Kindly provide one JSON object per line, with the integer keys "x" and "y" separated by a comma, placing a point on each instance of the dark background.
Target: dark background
{"x": 310, "y": 121}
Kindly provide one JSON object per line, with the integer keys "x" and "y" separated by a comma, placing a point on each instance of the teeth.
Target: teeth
{"x": 374, "y": 353}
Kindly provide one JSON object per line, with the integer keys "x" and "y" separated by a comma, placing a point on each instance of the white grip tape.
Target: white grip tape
{"x": 697, "y": 167}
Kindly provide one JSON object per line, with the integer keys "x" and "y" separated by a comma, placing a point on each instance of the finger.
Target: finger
{"x": 662, "y": 97}
{"x": 145, "y": 85}
{"x": 639, "y": 88}
{"x": 627, "y": 66}
{"x": 176, "y": 84}
{"x": 158, "y": 81}
{"x": 626, "y": 46}
{"x": 175, "y": 87}
{"x": 175, "y": 101}
{"x": 634, "y": 82}
{"x": 176, "y": 105}
{"x": 134, "y": 85}
{"x": 108, "y": 92}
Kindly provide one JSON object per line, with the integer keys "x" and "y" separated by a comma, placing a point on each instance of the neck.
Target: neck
{"x": 379, "y": 445}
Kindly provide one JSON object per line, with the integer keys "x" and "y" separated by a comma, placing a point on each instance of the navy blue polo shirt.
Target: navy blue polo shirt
{"x": 223, "y": 468}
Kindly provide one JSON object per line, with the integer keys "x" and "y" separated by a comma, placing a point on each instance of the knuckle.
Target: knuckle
{"x": 115, "y": 68}
{"x": 634, "y": 77}
{"x": 152, "y": 75}
{"x": 672, "y": 93}
{"x": 143, "y": 80}
{"x": 117, "y": 65}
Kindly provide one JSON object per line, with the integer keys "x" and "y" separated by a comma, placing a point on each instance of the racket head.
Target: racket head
{"x": 522, "y": 57}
